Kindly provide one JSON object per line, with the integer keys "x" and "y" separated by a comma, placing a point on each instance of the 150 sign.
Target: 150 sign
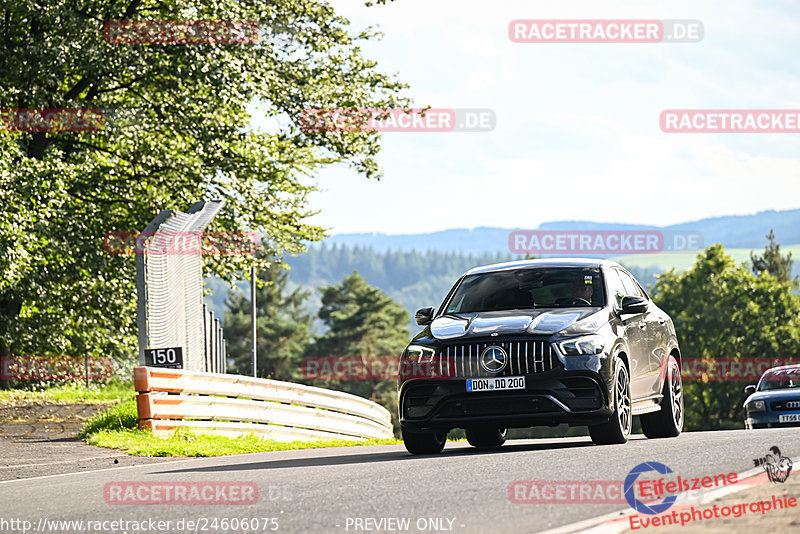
{"x": 171, "y": 358}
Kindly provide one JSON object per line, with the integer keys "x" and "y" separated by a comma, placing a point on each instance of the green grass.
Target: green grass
{"x": 122, "y": 417}
{"x": 117, "y": 428}
{"x": 71, "y": 393}
{"x": 183, "y": 443}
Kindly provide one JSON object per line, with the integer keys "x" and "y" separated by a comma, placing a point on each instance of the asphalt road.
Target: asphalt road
{"x": 327, "y": 490}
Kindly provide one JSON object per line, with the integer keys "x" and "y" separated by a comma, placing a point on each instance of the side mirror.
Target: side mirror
{"x": 425, "y": 315}
{"x": 750, "y": 389}
{"x": 631, "y": 304}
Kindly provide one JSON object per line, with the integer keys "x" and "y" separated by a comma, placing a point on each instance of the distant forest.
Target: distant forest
{"x": 414, "y": 279}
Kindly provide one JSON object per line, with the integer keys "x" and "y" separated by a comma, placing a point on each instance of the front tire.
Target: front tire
{"x": 424, "y": 442}
{"x": 486, "y": 438}
{"x": 618, "y": 427}
{"x": 668, "y": 421}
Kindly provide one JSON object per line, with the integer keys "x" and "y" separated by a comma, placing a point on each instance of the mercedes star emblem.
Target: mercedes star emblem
{"x": 494, "y": 359}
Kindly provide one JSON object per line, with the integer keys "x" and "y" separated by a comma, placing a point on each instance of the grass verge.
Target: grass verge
{"x": 120, "y": 418}
{"x": 71, "y": 393}
{"x": 184, "y": 443}
{"x": 116, "y": 428}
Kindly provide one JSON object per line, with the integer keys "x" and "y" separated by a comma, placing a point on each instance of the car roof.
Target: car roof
{"x": 782, "y": 368}
{"x": 548, "y": 262}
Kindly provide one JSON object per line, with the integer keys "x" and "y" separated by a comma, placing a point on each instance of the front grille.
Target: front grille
{"x": 781, "y": 405}
{"x": 498, "y": 406}
{"x": 462, "y": 360}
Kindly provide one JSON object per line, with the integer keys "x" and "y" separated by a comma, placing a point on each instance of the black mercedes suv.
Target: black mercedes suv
{"x": 541, "y": 342}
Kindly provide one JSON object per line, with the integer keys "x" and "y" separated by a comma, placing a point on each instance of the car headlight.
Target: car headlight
{"x": 582, "y": 345}
{"x": 756, "y": 406}
{"x": 419, "y": 354}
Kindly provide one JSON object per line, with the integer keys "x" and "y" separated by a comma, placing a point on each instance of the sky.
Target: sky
{"x": 577, "y": 133}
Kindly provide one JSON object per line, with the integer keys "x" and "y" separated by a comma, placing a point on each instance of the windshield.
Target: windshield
{"x": 564, "y": 287}
{"x": 780, "y": 379}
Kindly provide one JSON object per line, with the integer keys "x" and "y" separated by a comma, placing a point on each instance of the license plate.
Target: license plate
{"x": 495, "y": 384}
{"x": 789, "y": 418}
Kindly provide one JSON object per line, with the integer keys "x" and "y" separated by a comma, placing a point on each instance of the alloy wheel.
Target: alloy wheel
{"x": 677, "y": 396}
{"x": 624, "y": 400}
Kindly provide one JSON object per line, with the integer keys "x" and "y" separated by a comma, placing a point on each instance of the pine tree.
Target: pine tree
{"x": 282, "y": 327}
{"x": 362, "y": 321}
{"x": 773, "y": 262}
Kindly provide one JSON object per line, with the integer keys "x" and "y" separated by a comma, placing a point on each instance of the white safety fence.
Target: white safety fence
{"x": 233, "y": 405}
{"x": 170, "y": 291}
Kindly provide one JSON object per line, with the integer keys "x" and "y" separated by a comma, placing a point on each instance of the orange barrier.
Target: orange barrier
{"x": 234, "y": 405}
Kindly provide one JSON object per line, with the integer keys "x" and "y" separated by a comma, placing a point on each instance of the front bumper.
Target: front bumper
{"x": 558, "y": 396}
{"x": 758, "y": 420}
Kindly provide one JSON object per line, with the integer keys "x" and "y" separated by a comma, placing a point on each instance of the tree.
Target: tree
{"x": 773, "y": 262}
{"x": 362, "y": 321}
{"x": 282, "y": 327}
{"x": 722, "y": 310}
{"x": 176, "y": 130}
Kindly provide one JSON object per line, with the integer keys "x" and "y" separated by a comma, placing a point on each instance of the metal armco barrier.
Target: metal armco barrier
{"x": 233, "y": 405}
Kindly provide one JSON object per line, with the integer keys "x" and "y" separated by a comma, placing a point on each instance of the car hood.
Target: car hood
{"x": 775, "y": 395}
{"x": 516, "y": 322}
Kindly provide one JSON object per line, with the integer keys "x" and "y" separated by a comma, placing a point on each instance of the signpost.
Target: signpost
{"x": 171, "y": 358}
{"x": 253, "y": 315}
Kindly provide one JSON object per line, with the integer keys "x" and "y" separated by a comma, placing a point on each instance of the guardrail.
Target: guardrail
{"x": 233, "y": 405}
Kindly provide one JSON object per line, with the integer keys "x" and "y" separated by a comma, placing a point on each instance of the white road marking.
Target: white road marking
{"x": 73, "y": 460}
{"x": 156, "y": 464}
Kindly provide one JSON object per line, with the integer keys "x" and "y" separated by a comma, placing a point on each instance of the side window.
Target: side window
{"x": 641, "y": 289}
{"x": 451, "y": 305}
{"x": 616, "y": 287}
{"x": 631, "y": 287}
{"x": 455, "y": 306}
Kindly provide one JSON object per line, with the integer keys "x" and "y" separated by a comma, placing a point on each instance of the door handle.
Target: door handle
{"x": 642, "y": 325}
